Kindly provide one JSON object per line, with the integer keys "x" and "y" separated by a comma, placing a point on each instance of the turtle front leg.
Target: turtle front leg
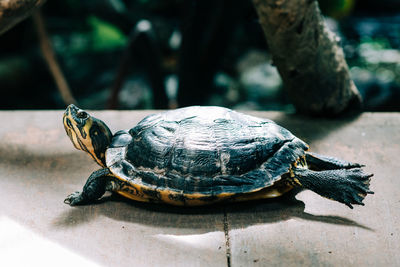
{"x": 95, "y": 187}
{"x": 348, "y": 186}
{"x": 320, "y": 162}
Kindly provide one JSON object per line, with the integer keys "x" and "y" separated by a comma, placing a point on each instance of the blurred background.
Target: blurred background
{"x": 158, "y": 54}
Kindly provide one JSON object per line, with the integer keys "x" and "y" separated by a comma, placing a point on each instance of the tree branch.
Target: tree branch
{"x": 308, "y": 56}
{"x": 13, "y": 11}
{"x": 51, "y": 60}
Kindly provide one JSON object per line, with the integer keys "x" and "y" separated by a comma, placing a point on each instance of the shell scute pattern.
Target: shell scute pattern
{"x": 208, "y": 151}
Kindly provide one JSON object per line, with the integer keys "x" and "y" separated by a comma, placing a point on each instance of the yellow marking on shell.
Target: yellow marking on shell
{"x": 291, "y": 173}
{"x": 297, "y": 181}
{"x": 134, "y": 192}
{"x": 137, "y": 193}
{"x": 131, "y": 196}
{"x": 197, "y": 202}
{"x": 224, "y": 196}
{"x": 198, "y": 199}
{"x": 299, "y": 163}
{"x": 269, "y": 192}
{"x": 170, "y": 197}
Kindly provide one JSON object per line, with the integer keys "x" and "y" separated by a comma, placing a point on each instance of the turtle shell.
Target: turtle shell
{"x": 208, "y": 152}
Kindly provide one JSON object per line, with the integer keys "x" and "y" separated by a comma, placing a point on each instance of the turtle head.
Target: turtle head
{"x": 87, "y": 133}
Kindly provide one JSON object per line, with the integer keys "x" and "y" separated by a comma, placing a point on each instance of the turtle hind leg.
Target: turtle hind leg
{"x": 348, "y": 186}
{"x": 95, "y": 187}
{"x": 320, "y": 162}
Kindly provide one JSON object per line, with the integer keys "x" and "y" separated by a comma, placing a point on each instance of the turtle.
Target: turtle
{"x": 201, "y": 155}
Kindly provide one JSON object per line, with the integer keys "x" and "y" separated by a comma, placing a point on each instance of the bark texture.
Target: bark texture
{"x": 308, "y": 56}
{"x": 13, "y": 11}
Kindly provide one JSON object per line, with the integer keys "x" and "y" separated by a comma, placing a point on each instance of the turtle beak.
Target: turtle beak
{"x": 71, "y": 109}
{"x": 70, "y": 115}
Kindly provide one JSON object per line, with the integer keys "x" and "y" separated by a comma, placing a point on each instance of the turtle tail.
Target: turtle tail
{"x": 333, "y": 178}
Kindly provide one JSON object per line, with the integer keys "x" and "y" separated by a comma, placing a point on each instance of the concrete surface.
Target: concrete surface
{"x": 39, "y": 167}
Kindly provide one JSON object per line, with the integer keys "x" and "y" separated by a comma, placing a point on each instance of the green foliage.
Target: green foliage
{"x": 374, "y": 43}
{"x": 377, "y": 59}
{"x": 336, "y": 8}
{"x": 104, "y": 35}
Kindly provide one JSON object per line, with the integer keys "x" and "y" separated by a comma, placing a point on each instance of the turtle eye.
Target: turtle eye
{"x": 82, "y": 114}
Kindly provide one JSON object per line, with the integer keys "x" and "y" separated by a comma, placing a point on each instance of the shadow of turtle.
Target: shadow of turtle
{"x": 281, "y": 209}
{"x": 206, "y": 218}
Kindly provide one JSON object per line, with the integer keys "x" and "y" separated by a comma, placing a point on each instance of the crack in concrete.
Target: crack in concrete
{"x": 227, "y": 242}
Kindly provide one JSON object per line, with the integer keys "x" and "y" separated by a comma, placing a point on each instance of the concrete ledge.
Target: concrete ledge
{"x": 39, "y": 167}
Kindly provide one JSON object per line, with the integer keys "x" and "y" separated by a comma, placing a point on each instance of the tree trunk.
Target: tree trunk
{"x": 13, "y": 11}
{"x": 308, "y": 56}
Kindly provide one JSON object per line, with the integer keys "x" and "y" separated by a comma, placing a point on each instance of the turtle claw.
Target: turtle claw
{"x": 347, "y": 186}
{"x": 74, "y": 199}
{"x": 355, "y": 187}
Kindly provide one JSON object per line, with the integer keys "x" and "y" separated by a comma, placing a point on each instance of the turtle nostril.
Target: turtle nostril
{"x": 71, "y": 106}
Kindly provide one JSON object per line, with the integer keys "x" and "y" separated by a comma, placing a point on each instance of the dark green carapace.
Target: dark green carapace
{"x": 202, "y": 155}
